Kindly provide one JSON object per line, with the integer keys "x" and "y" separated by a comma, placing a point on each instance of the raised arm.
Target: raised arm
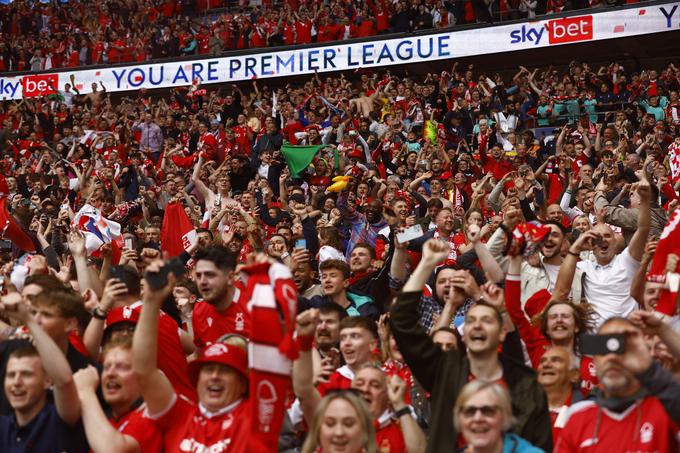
{"x": 53, "y": 360}
{"x": 398, "y": 269}
{"x": 414, "y": 437}
{"x": 486, "y": 259}
{"x": 94, "y": 333}
{"x": 636, "y": 247}
{"x": 156, "y": 388}
{"x": 420, "y": 352}
{"x": 204, "y": 190}
{"x": 303, "y": 368}
{"x": 101, "y": 435}
{"x": 87, "y": 277}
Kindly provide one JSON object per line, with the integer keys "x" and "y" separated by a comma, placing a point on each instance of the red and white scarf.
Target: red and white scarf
{"x": 272, "y": 304}
{"x": 452, "y": 254}
{"x": 455, "y": 196}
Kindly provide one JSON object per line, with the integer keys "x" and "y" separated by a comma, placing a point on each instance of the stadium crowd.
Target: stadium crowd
{"x": 382, "y": 263}
{"x": 37, "y": 36}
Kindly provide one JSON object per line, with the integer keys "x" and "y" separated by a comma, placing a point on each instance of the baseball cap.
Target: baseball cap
{"x": 121, "y": 314}
{"x": 229, "y": 355}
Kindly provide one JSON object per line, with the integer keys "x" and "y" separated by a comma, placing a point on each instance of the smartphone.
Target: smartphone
{"x": 614, "y": 343}
{"x": 409, "y": 234}
{"x": 5, "y": 245}
{"x": 301, "y": 244}
{"x": 129, "y": 244}
{"x": 157, "y": 280}
{"x": 118, "y": 273}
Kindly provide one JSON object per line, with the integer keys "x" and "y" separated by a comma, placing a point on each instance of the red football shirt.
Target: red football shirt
{"x": 187, "y": 426}
{"x": 210, "y": 324}
{"x": 645, "y": 426}
{"x": 304, "y": 32}
{"x": 389, "y": 438}
{"x": 171, "y": 358}
{"x": 142, "y": 429}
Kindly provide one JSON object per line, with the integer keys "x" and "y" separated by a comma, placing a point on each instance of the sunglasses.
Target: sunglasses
{"x": 487, "y": 411}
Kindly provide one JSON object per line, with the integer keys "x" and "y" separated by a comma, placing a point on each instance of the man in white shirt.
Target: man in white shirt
{"x": 606, "y": 283}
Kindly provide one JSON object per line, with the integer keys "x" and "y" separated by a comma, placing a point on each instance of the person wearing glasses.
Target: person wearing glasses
{"x": 483, "y": 417}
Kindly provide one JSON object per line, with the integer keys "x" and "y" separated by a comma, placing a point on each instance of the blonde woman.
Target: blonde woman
{"x": 483, "y": 416}
{"x": 342, "y": 423}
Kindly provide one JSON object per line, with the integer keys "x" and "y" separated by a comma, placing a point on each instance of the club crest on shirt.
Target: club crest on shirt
{"x": 646, "y": 432}
{"x": 239, "y": 323}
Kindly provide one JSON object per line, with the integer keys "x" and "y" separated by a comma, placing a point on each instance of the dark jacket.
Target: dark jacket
{"x": 443, "y": 374}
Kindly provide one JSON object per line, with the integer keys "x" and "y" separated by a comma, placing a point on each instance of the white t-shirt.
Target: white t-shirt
{"x": 552, "y": 270}
{"x": 607, "y": 288}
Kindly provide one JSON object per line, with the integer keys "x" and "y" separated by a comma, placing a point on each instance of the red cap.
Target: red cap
{"x": 356, "y": 153}
{"x": 229, "y": 355}
{"x": 537, "y": 302}
{"x": 121, "y": 314}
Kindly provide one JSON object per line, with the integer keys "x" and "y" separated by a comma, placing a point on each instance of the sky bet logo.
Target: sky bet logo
{"x": 559, "y": 31}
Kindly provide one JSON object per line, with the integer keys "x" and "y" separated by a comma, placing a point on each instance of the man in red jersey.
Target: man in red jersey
{"x": 225, "y": 418}
{"x": 630, "y": 415}
{"x": 124, "y": 428}
{"x": 219, "y": 312}
{"x": 118, "y": 311}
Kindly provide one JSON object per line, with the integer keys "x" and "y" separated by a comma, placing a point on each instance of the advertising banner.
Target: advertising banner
{"x": 597, "y": 26}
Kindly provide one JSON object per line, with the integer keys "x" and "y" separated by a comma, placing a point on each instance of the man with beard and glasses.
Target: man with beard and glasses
{"x": 220, "y": 310}
{"x": 637, "y": 408}
{"x": 364, "y": 226}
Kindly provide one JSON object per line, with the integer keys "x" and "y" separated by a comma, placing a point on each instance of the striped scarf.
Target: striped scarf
{"x": 272, "y": 303}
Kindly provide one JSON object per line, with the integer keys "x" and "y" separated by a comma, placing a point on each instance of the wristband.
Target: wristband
{"x": 577, "y": 255}
{"x": 403, "y": 411}
{"x": 98, "y": 313}
{"x": 305, "y": 342}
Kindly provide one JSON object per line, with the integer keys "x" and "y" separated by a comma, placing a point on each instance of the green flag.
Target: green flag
{"x": 298, "y": 158}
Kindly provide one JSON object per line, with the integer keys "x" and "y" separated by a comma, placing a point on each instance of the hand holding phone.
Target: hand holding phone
{"x": 157, "y": 280}
{"x": 409, "y": 234}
